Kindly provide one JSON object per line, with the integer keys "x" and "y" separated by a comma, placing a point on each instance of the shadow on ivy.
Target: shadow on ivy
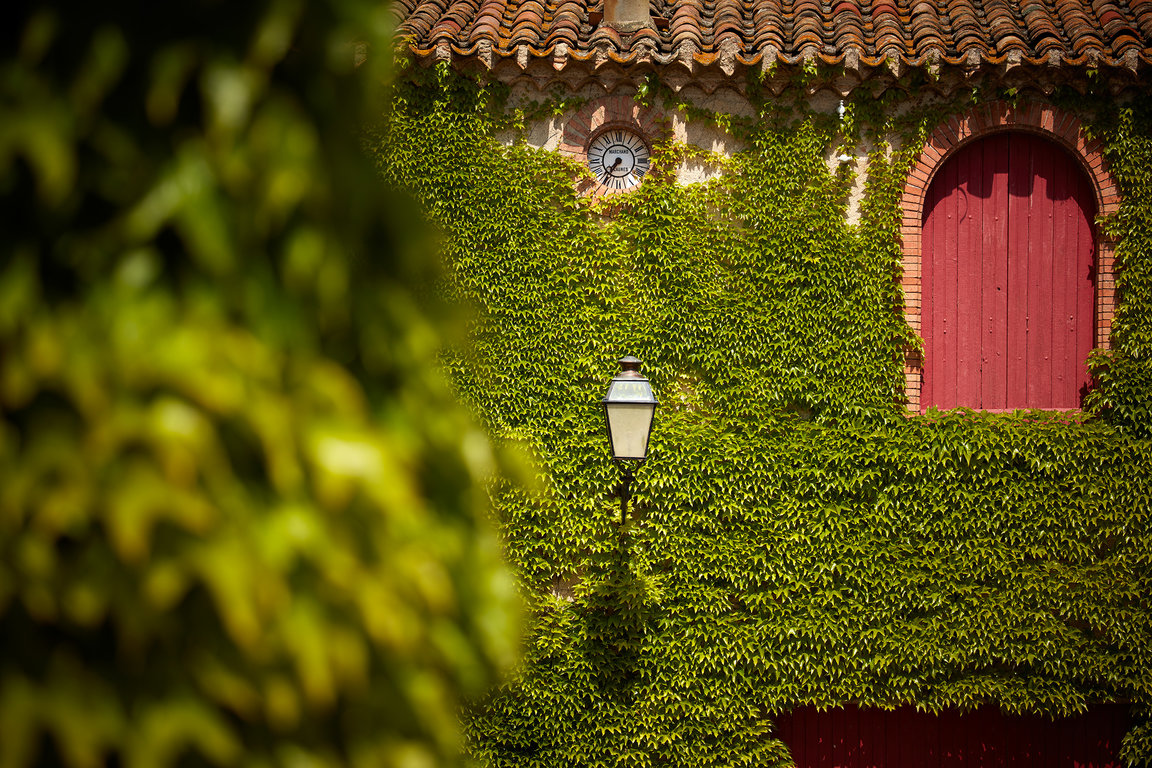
{"x": 615, "y": 618}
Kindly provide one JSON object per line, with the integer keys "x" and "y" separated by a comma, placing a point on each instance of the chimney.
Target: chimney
{"x": 627, "y": 15}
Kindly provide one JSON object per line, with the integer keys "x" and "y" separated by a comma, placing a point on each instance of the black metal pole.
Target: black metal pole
{"x": 625, "y": 491}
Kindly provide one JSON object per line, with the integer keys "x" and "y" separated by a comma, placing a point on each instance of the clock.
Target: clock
{"x": 618, "y": 158}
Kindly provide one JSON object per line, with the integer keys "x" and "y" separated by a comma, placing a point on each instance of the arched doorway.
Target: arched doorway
{"x": 1008, "y": 277}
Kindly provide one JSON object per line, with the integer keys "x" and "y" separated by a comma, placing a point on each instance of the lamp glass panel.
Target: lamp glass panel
{"x": 629, "y": 424}
{"x": 630, "y": 390}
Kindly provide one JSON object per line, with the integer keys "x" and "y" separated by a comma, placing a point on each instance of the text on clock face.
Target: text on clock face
{"x": 618, "y": 159}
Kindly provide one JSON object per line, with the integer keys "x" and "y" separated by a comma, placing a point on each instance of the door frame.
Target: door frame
{"x": 1052, "y": 123}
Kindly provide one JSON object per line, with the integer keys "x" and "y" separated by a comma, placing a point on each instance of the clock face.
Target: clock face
{"x": 618, "y": 159}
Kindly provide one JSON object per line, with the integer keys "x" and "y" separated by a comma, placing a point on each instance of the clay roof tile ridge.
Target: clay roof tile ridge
{"x": 725, "y": 33}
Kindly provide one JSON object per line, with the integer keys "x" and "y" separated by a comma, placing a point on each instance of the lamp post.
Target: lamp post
{"x": 628, "y": 410}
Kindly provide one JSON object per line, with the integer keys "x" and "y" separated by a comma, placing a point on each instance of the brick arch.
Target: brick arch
{"x": 620, "y": 110}
{"x": 1044, "y": 119}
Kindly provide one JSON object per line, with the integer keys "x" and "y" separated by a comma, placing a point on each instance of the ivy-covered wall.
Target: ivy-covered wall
{"x": 796, "y": 537}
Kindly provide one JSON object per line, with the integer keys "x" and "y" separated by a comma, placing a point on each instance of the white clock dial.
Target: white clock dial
{"x": 618, "y": 159}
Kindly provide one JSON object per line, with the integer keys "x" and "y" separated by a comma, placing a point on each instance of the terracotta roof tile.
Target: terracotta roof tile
{"x": 728, "y": 21}
{"x": 861, "y": 32}
{"x": 1042, "y": 26}
{"x": 849, "y": 27}
{"x": 1141, "y": 10}
{"x": 807, "y": 24}
{"x": 927, "y": 27}
{"x": 767, "y": 24}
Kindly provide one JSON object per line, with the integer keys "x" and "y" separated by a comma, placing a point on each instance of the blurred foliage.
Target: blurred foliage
{"x": 798, "y": 539}
{"x": 242, "y": 520}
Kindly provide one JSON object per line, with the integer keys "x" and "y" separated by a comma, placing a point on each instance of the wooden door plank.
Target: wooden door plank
{"x": 1048, "y": 742}
{"x": 1069, "y": 728}
{"x": 994, "y": 738}
{"x": 784, "y": 731}
{"x": 969, "y": 213}
{"x": 970, "y": 738}
{"x": 885, "y": 752}
{"x": 823, "y": 744}
{"x": 1064, "y": 263}
{"x": 895, "y": 750}
{"x": 911, "y": 744}
{"x": 939, "y": 298}
{"x": 843, "y": 744}
{"x": 926, "y": 729}
{"x": 851, "y": 756}
{"x": 804, "y": 730}
{"x": 947, "y": 292}
{"x": 1078, "y": 743}
{"x": 873, "y": 737}
{"x": 974, "y": 734}
{"x": 1104, "y": 728}
{"x": 1019, "y": 191}
{"x": 931, "y": 242}
{"x": 1014, "y": 744}
{"x": 1041, "y": 275}
{"x": 994, "y": 277}
{"x": 1024, "y": 728}
{"x": 797, "y": 738}
{"x": 952, "y": 740}
{"x": 999, "y": 740}
{"x": 864, "y": 736}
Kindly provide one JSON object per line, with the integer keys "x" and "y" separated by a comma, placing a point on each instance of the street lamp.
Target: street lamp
{"x": 628, "y": 410}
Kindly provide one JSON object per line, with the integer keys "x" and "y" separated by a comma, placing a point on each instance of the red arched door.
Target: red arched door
{"x": 1007, "y": 280}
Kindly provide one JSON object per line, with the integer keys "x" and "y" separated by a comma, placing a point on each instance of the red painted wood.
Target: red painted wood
{"x": 923, "y": 742}
{"x": 1016, "y": 330}
{"x": 853, "y": 754}
{"x": 816, "y": 745}
{"x": 951, "y": 740}
{"x": 826, "y": 754}
{"x": 848, "y": 737}
{"x": 1007, "y": 277}
{"x": 1079, "y": 740}
{"x": 1031, "y": 729}
{"x": 1064, "y": 294}
{"x": 969, "y": 218}
{"x": 1012, "y": 757}
{"x": 972, "y": 739}
{"x": 949, "y": 320}
{"x": 930, "y": 242}
{"x": 786, "y": 732}
{"x": 894, "y": 747}
{"x": 985, "y": 739}
{"x": 871, "y": 750}
{"x": 1042, "y": 277}
{"x": 994, "y": 359}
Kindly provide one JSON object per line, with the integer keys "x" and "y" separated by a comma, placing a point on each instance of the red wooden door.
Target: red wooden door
{"x": 1007, "y": 280}
{"x": 849, "y": 737}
